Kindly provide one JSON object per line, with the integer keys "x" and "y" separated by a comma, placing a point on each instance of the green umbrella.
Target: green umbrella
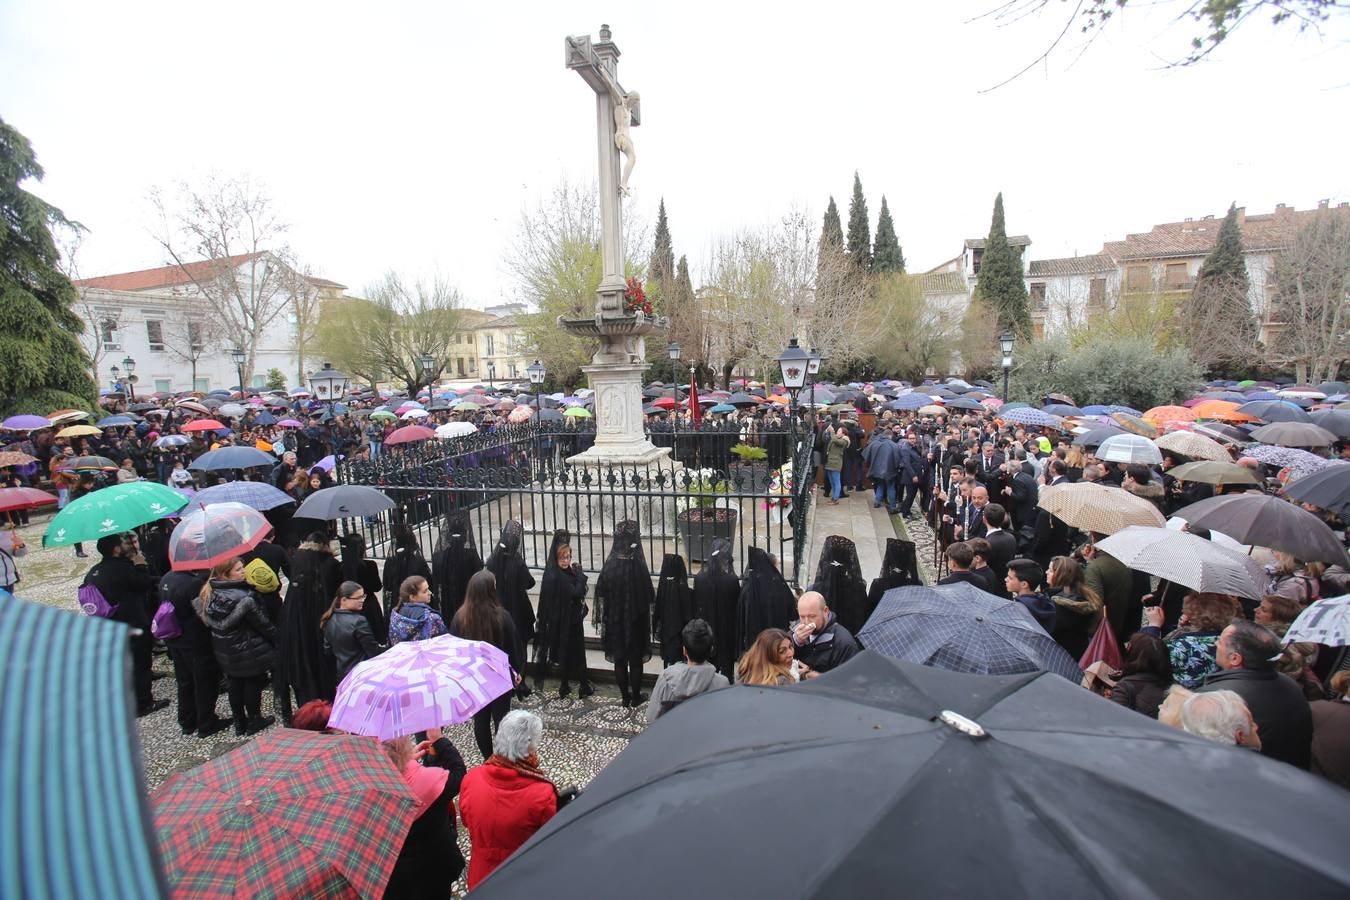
{"x": 112, "y": 510}
{"x": 466, "y": 406}
{"x": 578, "y": 412}
{"x": 384, "y": 414}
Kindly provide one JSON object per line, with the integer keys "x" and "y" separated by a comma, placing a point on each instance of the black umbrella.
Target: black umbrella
{"x": 1093, "y": 437}
{"x": 1267, "y": 521}
{"x": 142, "y": 407}
{"x": 740, "y": 399}
{"x": 965, "y": 403}
{"x": 1333, "y": 387}
{"x": 1229, "y": 433}
{"x": 963, "y": 629}
{"x": 1273, "y": 411}
{"x": 1294, "y": 434}
{"x": 1328, "y": 489}
{"x": 884, "y": 779}
{"x": 233, "y": 458}
{"x": 1337, "y": 421}
{"x": 344, "y": 501}
{"x": 549, "y": 415}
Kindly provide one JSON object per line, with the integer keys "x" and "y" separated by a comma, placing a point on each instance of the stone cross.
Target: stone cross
{"x": 615, "y": 111}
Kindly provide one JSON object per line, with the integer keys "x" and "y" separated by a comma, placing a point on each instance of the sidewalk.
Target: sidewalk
{"x": 855, "y": 519}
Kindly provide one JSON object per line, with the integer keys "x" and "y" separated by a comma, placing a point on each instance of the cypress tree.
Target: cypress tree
{"x": 684, "y": 287}
{"x": 886, "y": 253}
{"x": 1001, "y": 286}
{"x": 832, "y": 231}
{"x": 662, "y": 264}
{"x": 1222, "y": 329}
{"x": 859, "y": 232}
{"x": 42, "y": 363}
{"x": 1226, "y": 260}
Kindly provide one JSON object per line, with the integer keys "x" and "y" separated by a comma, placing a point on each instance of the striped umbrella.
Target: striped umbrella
{"x": 73, "y": 698}
{"x": 1185, "y": 558}
{"x": 1325, "y": 622}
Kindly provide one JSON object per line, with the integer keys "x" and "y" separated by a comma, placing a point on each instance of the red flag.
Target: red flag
{"x": 695, "y": 411}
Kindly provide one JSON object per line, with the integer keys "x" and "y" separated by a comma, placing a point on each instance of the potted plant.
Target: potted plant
{"x": 705, "y": 516}
{"x": 751, "y": 474}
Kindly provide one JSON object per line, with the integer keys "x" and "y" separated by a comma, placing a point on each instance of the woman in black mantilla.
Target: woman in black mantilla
{"x": 405, "y": 561}
{"x": 623, "y": 610}
{"x": 562, "y": 613}
{"x": 716, "y": 589}
{"x": 514, "y": 581}
{"x": 674, "y": 608}
{"x": 365, "y": 572}
{"x": 765, "y": 601}
{"x": 302, "y": 665}
{"x": 454, "y": 562}
{"x": 839, "y": 580}
{"x": 899, "y": 568}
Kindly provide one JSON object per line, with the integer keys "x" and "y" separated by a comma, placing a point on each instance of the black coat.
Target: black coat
{"x": 1277, "y": 705}
{"x": 181, "y": 590}
{"x": 562, "y": 635}
{"x": 1142, "y": 692}
{"x": 1002, "y": 549}
{"x": 348, "y": 639}
{"x": 302, "y": 664}
{"x": 126, "y": 586}
{"x": 242, "y": 637}
{"x": 430, "y": 861}
{"x": 832, "y": 647}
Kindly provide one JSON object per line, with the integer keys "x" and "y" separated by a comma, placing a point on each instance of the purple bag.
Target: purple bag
{"x": 93, "y": 603}
{"x": 164, "y": 626}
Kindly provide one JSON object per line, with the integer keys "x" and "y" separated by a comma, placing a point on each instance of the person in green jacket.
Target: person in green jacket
{"x": 834, "y": 462}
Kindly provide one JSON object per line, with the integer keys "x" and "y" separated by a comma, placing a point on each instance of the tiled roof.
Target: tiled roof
{"x": 944, "y": 283}
{"x": 505, "y": 322}
{"x": 165, "y": 276}
{"x": 1015, "y": 240}
{"x": 324, "y": 282}
{"x": 1264, "y": 232}
{"x": 1094, "y": 264}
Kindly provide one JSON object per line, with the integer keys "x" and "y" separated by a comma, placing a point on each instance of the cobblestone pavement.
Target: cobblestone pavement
{"x": 925, "y": 541}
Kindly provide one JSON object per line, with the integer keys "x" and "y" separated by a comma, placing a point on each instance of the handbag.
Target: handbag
{"x": 1102, "y": 647}
{"x": 164, "y": 626}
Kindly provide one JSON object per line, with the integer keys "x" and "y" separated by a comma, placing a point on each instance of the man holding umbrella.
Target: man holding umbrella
{"x": 125, "y": 584}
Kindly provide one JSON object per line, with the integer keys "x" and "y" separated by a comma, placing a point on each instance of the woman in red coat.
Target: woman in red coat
{"x": 507, "y": 798}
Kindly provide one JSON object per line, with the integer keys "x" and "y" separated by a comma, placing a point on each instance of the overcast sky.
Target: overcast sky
{"x": 412, "y": 135}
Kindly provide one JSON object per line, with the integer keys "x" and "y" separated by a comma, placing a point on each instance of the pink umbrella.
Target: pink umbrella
{"x": 409, "y": 433}
{"x": 991, "y": 402}
{"x": 417, "y": 685}
{"x": 290, "y": 423}
{"x": 203, "y": 425}
{"x": 213, "y": 533}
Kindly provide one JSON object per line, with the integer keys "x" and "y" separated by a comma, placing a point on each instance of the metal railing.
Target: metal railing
{"x": 522, "y": 472}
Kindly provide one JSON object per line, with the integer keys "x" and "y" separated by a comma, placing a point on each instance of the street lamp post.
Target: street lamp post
{"x": 813, "y": 369}
{"x": 115, "y": 373}
{"x": 673, "y": 348}
{"x": 1005, "y": 343}
{"x": 427, "y": 361}
{"x": 537, "y": 372}
{"x": 130, "y": 365}
{"x": 328, "y": 383}
{"x": 793, "y": 363}
{"x": 238, "y": 355}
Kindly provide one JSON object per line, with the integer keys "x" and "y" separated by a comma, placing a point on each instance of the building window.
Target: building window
{"x": 1175, "y": 276}
{"x": 1097, "y": 292}
{"x": 1038, "y": 293}
{"x": 511, "y": 370}
{"x": 194, "y": 333}
{"x": 154, "y": 333}
{"x": 473, "y": 365}
{"x": 202, "y": 384}
{"x": 975, "y": 260}
{"x": 107, "y": 330}
{"x": 259, "y": 381}
{"x": 163, "y": 385}
{"x": 489, "y": 346}
{"x": 1137, "y": 278}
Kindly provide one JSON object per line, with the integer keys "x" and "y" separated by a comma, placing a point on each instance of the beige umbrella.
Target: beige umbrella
{"x": 1196, "y": 446}
{"x": 1094, "y": 507}
{"x": 1210, "y": 472}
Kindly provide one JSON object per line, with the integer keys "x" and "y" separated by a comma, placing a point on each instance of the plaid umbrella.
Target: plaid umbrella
{"x": 1208, "y": 471}
{"x": 1195, "y": 446}
{"x": 290, "y": 814}
{"x": 416, "y": 685}
{"x": 254, "y": 494}
{"x": 1325, "y": 622}
{"x": 1267, "y": 521}
{"x": 1199, "y": 564}
{"x": 1089, "y": 506}
{"x": 61, "y": 836}
{"x": 961, "y": 628}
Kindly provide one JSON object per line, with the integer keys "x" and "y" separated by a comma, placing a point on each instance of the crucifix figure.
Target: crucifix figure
{"x": 616, "y": 111}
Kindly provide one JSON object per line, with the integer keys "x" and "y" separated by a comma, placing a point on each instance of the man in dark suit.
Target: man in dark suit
{"x": 979, "y": 499}
{"x": 1002, "y": 544}
{"x": 1053, "y": 537}
{"x": 988, "y": 462}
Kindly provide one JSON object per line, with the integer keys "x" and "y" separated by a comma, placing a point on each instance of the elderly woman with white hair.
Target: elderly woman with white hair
{"x": 508, "y": 798}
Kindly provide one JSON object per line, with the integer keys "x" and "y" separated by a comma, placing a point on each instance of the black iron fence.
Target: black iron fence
{"x": 521, "y": 472}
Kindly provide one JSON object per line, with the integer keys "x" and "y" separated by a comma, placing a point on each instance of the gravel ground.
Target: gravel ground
{"x": 924, "y": 539}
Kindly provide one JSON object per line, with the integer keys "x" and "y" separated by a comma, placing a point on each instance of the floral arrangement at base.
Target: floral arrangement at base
{"x": 635, "y": 299}
{"x": 780, "y": 492}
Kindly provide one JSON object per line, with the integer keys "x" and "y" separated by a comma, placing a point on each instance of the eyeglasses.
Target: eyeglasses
{"x": 360, "y": 596}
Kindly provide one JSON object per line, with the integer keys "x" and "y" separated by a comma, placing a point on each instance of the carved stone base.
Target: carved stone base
{"x": 619, "y": 438}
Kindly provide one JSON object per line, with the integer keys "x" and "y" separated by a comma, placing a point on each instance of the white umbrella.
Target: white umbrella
{"x": 415, "y": 414}
{"x": 1183, "y": 558}
{"x": 233, "y": 410}
{"x": 1325, "y": 622}
{"x": 1129, "y": 448}
{"x": 1177, "y": 523}
{"x": 455, "y": 429}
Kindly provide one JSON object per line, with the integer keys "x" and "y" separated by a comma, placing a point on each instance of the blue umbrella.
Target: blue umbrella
{"x": 111, "y": 421}
{"x": 1095, "y": 410}
{"x": 965, "y": 403}
{"x": 233, "y": 458}
{"x": 74, "y": 696}
{"x": 173, "y": 440}
{"x": 1128, "y": 410}
{"x": 961, "y": 628}
{"x": 1094, "y": 437}
{"x": 1261, "y": 395}
{"x": 1274, "y": 411}
{"x": 910, "y": 401}
{"x": 1028, "y": 416}
{"x": 264, "y": 418}
{"x": 723, "y": 408}
{"x": 254, "y": 494}
{"x": 1061, "y": 409}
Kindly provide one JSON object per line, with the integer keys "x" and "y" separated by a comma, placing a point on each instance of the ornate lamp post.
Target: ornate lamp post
{"x": 130, "y": 365}
{"x": 537, "y": 373}
{"x": 813, "y": 369}
{"x": 115, "y": 373}
{"x": 238, "y": 356}
{"x": 427, "y": 361}
{"x": 1005, "y": 343}
{"x": 328, "y": 383}
{"x": 673, "y": 349}
{"x": 792, "y": 364}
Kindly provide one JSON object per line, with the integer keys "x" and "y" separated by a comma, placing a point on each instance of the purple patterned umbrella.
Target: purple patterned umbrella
{"x": 418, "y": 685}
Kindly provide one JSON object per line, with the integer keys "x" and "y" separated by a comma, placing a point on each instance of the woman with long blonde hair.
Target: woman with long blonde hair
{"x": 768, "y": 660}
{"x": 243, "y": 638}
